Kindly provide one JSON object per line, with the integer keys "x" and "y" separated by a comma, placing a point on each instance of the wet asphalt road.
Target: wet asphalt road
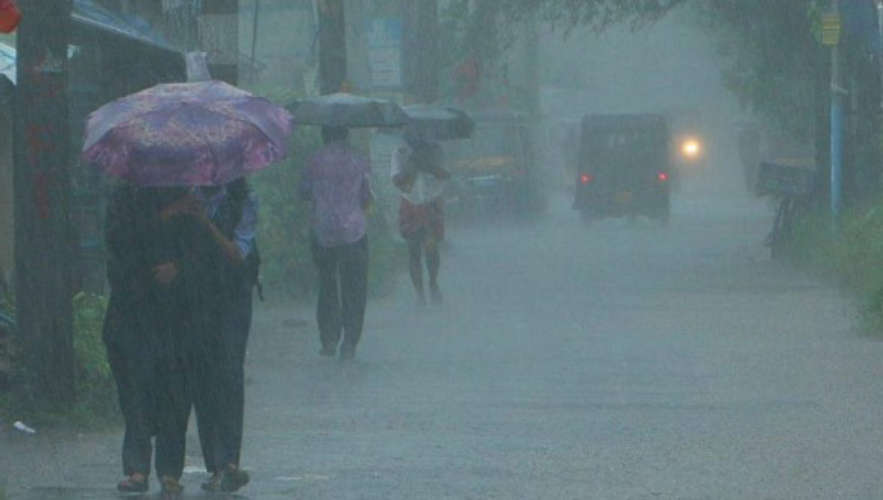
{"x": 616, "y": 361}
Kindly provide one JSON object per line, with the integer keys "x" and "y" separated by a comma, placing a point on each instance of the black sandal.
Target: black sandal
{"x": 171, "y": 487}
{"x": 213, "y": 484}
{"x": 233, "y": 478}
{"x": 132, "y": 485}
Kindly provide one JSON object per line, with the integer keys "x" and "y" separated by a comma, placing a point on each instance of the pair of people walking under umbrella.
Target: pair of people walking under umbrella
{"x": 182, "y": 264}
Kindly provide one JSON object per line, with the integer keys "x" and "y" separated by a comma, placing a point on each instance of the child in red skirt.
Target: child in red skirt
{"x": 418, "y": 173}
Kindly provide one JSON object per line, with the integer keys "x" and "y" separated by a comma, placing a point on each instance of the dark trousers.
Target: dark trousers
{"x": 341, "y": 313}
{"x": 220, "y": 398}
{"x": 173, "y": 400}
{"x": 154, "y": 400}
{"x": 130, "y": 375}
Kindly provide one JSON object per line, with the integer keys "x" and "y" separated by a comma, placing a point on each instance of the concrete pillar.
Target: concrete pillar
{"x": 44, "y": 239}
{"x": 219, "y": 37}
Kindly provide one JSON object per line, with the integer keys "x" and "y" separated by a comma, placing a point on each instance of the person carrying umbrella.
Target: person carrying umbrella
{"x": 151, "y": 264}
{"x": 418, "y": 173}
{"x": 165, "y": 140}
{"x": 230, "y": 214}
{"x": 337, "y": 183}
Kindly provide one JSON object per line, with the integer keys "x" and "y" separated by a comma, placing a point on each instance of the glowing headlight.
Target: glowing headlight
{"x": 690, "y": 148}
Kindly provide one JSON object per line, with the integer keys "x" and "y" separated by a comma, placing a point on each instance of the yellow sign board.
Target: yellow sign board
{"x": 830, "y": 29}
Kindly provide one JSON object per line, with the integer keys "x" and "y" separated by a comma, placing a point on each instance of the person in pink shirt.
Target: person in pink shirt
{"x": 337, "y": 183}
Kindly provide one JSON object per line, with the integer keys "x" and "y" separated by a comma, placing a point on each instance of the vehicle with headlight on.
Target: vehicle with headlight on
{"x": 690, "y": 156}
{"x": 691, "y": 150}
{"x": 624, "y": 167}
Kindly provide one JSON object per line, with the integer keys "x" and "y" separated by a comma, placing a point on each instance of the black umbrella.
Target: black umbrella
{"x": 347, "y": 110}
{"x": 436, "y": 123}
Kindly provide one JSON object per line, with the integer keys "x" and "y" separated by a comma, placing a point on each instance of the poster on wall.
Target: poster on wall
{"x": 385, "y": 53}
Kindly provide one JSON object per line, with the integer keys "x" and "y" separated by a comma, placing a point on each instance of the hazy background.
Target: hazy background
{"x": 669, "y": 67}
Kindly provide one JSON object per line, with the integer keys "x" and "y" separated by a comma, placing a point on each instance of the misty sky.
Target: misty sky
{"x": 669, "y": 65}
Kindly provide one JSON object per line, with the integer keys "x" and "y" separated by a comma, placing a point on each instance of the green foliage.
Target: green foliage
{"x": 96, "y": 401}
{"x": 89, "y": 312}
{"x": 774, "y": 62}
{"x": 7, "y": 310}
{"x": 5, "y": 406}
{"x": 96, "y": 396}
{"x": 597, "y": 14}
{"x": 283, "y": 233}
{"x": 771, "y": 59}
{"x": 7, "y": 301}
{"x": 811, "y": 245}
{"x": 851, "y": 259}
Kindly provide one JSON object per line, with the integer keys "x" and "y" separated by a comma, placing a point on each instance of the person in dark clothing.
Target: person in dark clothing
{"x": 230, "y": 215}
{"x": 343, "y": 268}
{"x": 337, "y": 181}
{"x": 151, "y": 271}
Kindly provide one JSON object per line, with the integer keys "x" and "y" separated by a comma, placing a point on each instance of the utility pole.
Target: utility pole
{"x": 421, "y": 49}
{"x": 831, "y": 37}
{"x": 332, "y": 46}
{"x": 43, "y": 231}
{"x": 219, "y": 37}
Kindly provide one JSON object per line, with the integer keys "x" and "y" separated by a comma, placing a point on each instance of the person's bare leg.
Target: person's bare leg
{"x": 415, "y": 249}
{"x": 433, "y": 263}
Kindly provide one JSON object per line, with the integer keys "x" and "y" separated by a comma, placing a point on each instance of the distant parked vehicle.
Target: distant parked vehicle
{"x": 494, "y": 171}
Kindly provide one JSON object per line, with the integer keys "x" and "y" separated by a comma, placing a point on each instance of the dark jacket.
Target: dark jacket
{"x": 144, "y": 315}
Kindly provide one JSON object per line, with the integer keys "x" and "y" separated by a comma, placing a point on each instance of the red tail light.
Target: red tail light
{"x": 662, "y": 176}
{"x": 586, "y": 178}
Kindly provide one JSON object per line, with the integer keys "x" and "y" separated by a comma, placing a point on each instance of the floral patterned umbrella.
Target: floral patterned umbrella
{"x": 186, "y": 134}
